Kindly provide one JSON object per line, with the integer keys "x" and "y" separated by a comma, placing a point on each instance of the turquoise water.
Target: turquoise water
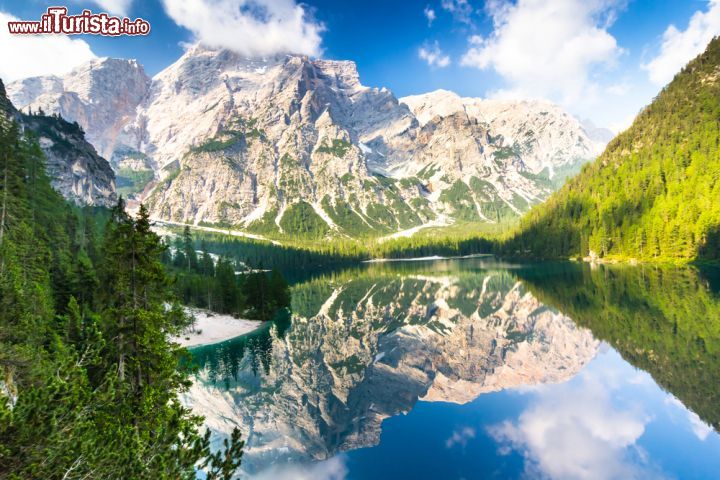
{"x": 477, "y": 369}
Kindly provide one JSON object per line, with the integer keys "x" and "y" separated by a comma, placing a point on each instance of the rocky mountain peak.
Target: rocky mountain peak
{"x": 543, "y": 135}
{"x": 101, "y": 96}
{"x": 436, "y": 103}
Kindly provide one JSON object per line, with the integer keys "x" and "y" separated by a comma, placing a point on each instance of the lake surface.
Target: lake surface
{"x": 476, "y": 368}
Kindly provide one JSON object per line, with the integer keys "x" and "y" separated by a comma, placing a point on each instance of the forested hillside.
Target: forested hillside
{"x": 88, "y": 378}
{"x": 654, "y": 193}
{"x": 222, "y": 284}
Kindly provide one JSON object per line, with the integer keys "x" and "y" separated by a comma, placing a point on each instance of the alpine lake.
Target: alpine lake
{"x": 476, "y": 368}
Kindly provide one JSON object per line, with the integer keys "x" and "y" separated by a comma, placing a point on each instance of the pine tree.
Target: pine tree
{"x": 93, "y": 380}
{"x": 189, "y": 250}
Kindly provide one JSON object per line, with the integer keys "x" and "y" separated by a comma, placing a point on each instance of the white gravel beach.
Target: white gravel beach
{"x": 213, "y": 327}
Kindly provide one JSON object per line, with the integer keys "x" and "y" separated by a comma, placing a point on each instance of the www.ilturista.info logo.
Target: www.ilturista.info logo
{"x": 56, "y": 20}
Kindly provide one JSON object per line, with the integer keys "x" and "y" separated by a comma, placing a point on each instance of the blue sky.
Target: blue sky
{"x": 600, "y": 59}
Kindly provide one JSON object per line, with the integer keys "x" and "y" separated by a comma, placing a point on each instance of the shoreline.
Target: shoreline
{"x": 210, "y": 328}
{"x": 428, "y": 258}
{"x": 224, "y": 231}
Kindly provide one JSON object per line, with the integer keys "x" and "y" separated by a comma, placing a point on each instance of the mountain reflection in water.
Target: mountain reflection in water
{"x": 367, "y": 344}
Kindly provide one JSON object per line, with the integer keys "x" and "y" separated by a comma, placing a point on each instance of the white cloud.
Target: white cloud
{"x": 116, "y": 7}
{"x": 461, "y": 10}
{"x": 430, "y": 15}
{"x": 32, "y": 55}
{"x": 577, "y": 431}
{"x": 679, "y": 47}
{"x": 547, "y": 49}
{"x": 700, "y": 429}
{"x": 434, "y": 56}
{"x": 333, "y": 469}
{"x": 249, "y": 27}
{"x": 460, "y": 437}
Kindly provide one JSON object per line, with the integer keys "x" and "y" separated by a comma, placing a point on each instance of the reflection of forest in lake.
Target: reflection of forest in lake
{"x": 366, "y": 344}
{"x": 663, "y": 320}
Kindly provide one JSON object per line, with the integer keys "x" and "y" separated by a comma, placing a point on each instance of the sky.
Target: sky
{"x": 602, "y": 60}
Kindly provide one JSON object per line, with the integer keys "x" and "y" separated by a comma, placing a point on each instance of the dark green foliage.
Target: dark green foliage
{"x": 91, "y": 376}
{"x": 339, "y": 148}
{"x": 132, "y": 181}
{"x": 6, "y": 107}
{"x": 298, "y": 261}
{"x": 448, "y": 246}
{"x": 492, "y": 205}
{"x": 237, "y": 132}
{"x": 63, "y": 134}
{"x": 559, "y": 177}
{"x": 229, "y": 297}
{"x": 226, "y": 286}
{"x": 266, "y": 224}
{"x": 346, "y": 218}
{"x": 459, "y": 197}
{"x": 188, "y": 250}
{"x": 422, "y": 207}
{"x": 654, "y": 193}
{"x": 266, "y": 294}
{"x": 382, "y": 216}
{"x": 223, "y": 463}
{"x": 301, "y": 220}
{"x": 404, "y": 216}
{"x": 288, "y": 259}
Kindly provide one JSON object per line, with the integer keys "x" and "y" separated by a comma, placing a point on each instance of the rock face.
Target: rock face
{"x": 75, "y": 169}
{"x": 101, "y": 96}
{"x": 370, "y": 348}
{"x": 544, "y": 136}
{"x": 294, "y": 145}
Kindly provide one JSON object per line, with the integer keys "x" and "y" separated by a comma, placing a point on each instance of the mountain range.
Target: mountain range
{"x": 290, "y": 145}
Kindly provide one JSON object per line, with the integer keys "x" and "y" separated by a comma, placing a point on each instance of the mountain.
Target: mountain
{"x": 73, "y": 166}
{"x": 288, "y": 145}
{"x": 370, "y": 347}
{"x": 102, "y": 96}
{"x": 654, "y": 192}
{"x": 546, "y": 137}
